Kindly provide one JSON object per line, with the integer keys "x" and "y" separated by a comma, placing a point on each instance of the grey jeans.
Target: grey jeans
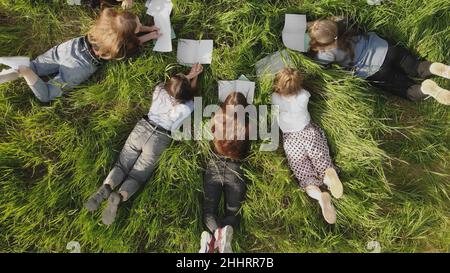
{"x": 138, "y": 158}
{"x": 223, "y": 176}
{"x": 72, "y": 63}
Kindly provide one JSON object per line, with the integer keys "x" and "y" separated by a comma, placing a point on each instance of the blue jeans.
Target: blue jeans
{"x": 72, "y": 63}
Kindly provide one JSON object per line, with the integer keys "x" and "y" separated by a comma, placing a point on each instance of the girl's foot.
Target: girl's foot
{"x": 440, "y": 70}
{"x": 206, "y": 243}
{"x": 331, "y": 179}
{"x": 109, "y": 214}
{"x": 432, "y": 89}
{"x": 328, "y": 211}
{"x": 224, "y": 236}
{"x": 7, "y": 75}
{"x": 97, "y": 198}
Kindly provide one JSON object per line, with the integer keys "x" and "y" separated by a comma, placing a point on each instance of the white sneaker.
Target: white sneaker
{"x": 7, "y": 75}
{"x": 328, "y": 211}
{"x": 224, "y": 236}
{"x": 440, "y": 70}
{"x": 205, "y": 242}
{"x": 331, "y": 179}
{"x": 432, "y": 89}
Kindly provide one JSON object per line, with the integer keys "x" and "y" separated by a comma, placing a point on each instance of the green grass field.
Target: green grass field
{"x": 393, "y": 154}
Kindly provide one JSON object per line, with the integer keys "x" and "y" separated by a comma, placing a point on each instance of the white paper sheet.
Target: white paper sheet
{"x": 15, "y": 62}
{"x": 74, "y": 2}
{"x": 7, "y": 75}
{"x": 271, "y": 64}
{"x": 294, "y": 32}
{"x": 160, "y": 10}
{"x": 247, "y": 88}
{"x": 190, "y": 52}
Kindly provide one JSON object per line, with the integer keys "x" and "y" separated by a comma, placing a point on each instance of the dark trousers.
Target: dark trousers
{"x": 223, "y": 176}
{"x": 396, "y": 73}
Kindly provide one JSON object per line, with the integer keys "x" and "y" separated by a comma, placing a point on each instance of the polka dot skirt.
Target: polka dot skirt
{"x": 308, "y": 154}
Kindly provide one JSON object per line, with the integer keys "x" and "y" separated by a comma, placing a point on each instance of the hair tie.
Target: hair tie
{"x": 335, "y": 38}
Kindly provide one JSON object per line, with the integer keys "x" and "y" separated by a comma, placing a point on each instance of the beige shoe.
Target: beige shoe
{"x": 328, "y": 211}
{"x": 440, "y": 70}
{"x": 331, "y": 179}
{"x": 432, "y": 89}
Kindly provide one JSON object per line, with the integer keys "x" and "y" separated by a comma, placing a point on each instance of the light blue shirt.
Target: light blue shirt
{"x": 370, "y": 51}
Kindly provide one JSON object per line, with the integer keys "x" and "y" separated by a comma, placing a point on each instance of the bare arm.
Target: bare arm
{"x": 196, "y": 70}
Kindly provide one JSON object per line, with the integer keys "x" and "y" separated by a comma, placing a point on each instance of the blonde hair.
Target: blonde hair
{"x": 324, "y": 35}
{"x": 113, "y": 34}
{"x": 288, "y": 81}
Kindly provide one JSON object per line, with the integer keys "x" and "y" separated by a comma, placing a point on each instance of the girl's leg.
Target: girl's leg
{"x": 145, "y": 164}
{"x": 127, "y": 157}
{"x": 324, "y": 199}
{"x": 212, "y": 191}
{"x": 235, "y": 190}
{"x": 138, "y": 175}
{"x": 295, "y": 146}
{"x": 319, "y": 154}
{"x": 402, "y": 59}
{"x": 43, "y": 91}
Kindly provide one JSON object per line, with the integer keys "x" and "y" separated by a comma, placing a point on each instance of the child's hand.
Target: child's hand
{"x": 126, "y": 4}
{"x": 196, "y": 70}
{"x": 154, "y": 35}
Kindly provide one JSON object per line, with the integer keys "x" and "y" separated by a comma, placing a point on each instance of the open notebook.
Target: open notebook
{"x": 271, "y": 64}
{"x": 242, "y": 85}
{"x": 190, "y": 52}
{"x": 294, "y": 32}
{"x": 160, "y": 10}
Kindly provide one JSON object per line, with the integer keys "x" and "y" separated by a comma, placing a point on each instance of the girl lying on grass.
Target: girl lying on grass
{"x": 304, "y": 142}
{"x": 172, "y": 103}
{"x": 113, "y": 36}
{"x": 225, "y": 175}
{"x": 386, "y": 66}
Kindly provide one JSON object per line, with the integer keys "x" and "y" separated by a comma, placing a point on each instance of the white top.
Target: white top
{"x": 294, "y": 115}
{"x": 166, "y": 111}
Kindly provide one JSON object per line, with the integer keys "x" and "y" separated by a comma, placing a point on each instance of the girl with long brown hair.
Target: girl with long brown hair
{"x": 224, "y": 174}
{"x": 386, "y": 66}
{"x": 113, "y": 36}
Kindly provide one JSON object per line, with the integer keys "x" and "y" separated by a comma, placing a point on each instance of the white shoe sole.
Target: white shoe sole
{"x": 328, "y": 211}
{"x": 204, "y": 242}
{"x": 431, "y": 88}
{"x": 227, "y": 236}
{"x": 331, "y": 179}
{"x": 440, "y": 70}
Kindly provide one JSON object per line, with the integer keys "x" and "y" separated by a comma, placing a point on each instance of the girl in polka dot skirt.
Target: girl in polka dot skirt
{"x": 304, "y": 142}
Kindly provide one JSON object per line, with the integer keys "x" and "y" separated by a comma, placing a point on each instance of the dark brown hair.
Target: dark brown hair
{"x": 179, "y": 87}
{"x": 233, "y": 148}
